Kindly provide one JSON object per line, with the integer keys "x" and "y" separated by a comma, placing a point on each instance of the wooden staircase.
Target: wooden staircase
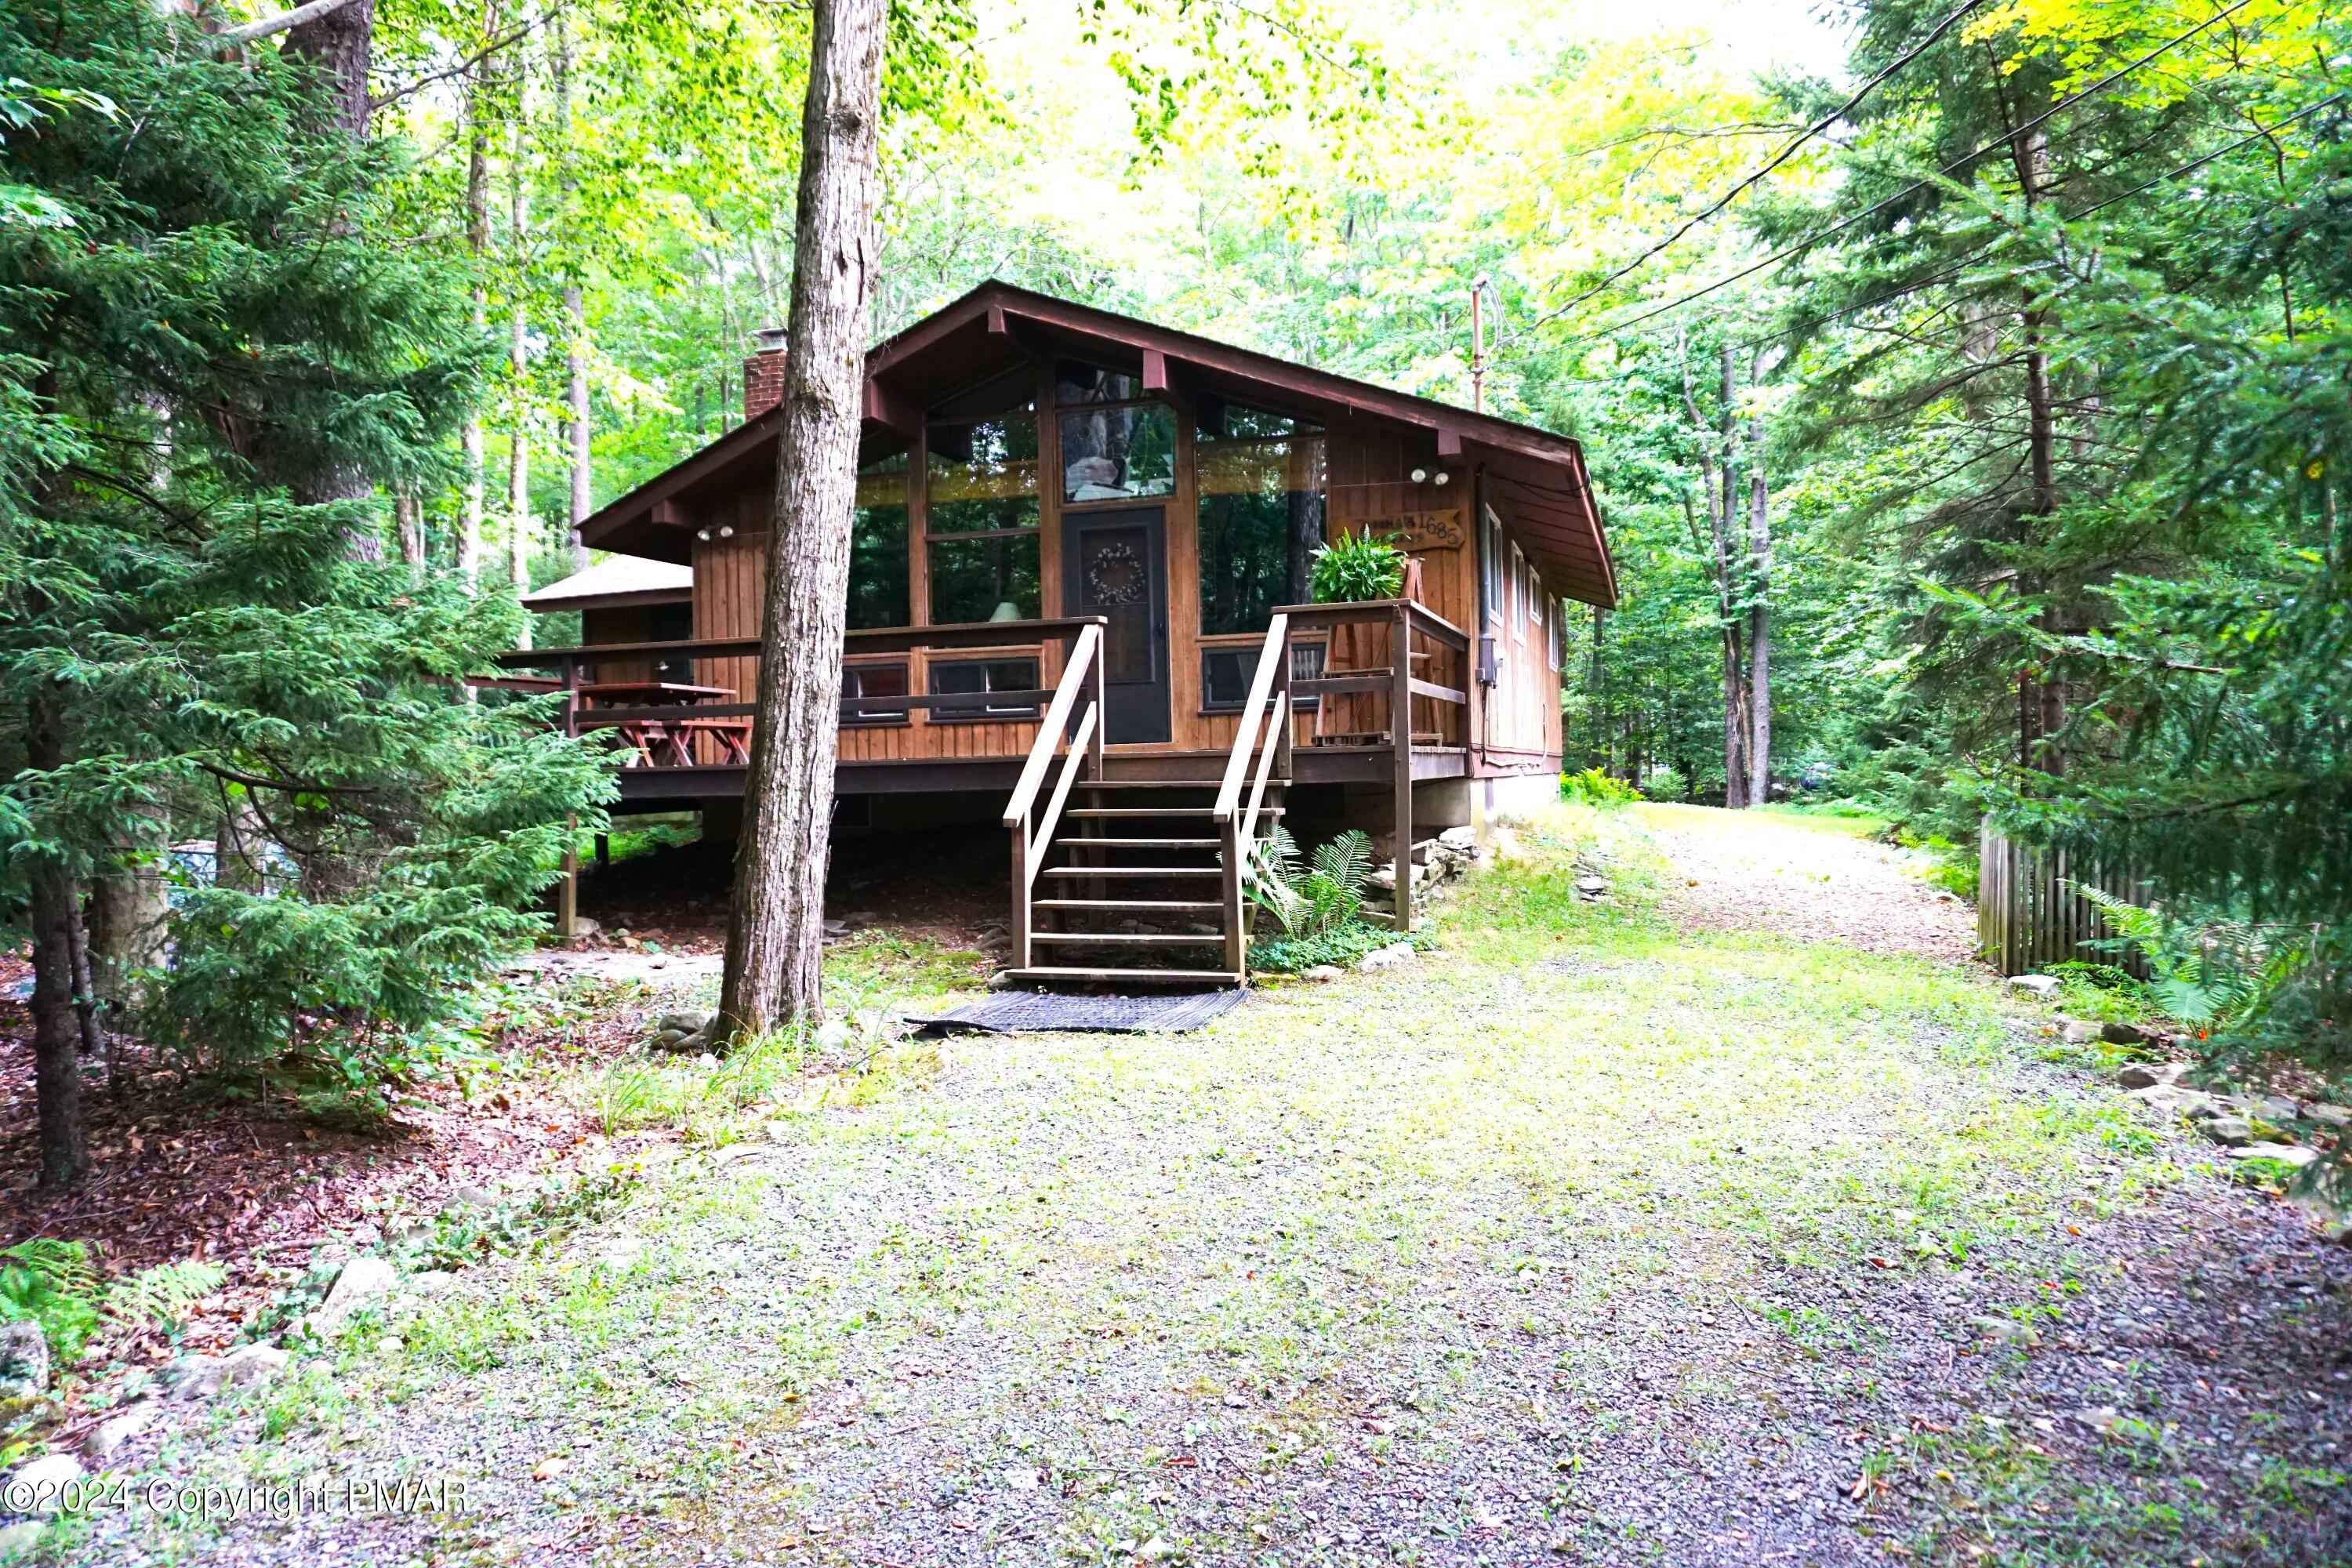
{"x": 1112, "y": 872}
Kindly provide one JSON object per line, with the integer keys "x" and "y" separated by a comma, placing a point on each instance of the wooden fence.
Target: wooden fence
{"x": 2030, "y": 914}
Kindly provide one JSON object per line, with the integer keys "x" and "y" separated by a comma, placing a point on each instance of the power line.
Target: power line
{"x": 1801, "y": 247}
{"x": 1782, "y": 156}
{"x": 1955, "y": 268}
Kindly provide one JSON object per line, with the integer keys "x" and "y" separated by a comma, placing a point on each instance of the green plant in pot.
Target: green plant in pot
{"x": 1352, "y": 570}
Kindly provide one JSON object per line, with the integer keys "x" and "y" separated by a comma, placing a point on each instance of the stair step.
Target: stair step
{"x": 1123, "y": 843}
{"x": 1128, "y": 976}
{"x": 1153, "y": 783}
{"x": 1138, "y": 939}
{"x": 1147, "y": 810}
{"x": 1133, "y": 871}
{"x": 1126, "y": 906}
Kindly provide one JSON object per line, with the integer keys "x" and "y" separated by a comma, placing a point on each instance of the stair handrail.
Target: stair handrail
{"x": 1273, "y": 657}
{"x": 1055, "y": 722}
{"x": 1082, "y": 673}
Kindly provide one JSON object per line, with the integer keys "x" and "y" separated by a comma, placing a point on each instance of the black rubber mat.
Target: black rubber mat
{"x": 1039, "y": 1013}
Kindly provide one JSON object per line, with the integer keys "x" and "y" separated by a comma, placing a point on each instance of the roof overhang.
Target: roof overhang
{"x": 1541, "y": 488}
{"x": 617, "y": 582}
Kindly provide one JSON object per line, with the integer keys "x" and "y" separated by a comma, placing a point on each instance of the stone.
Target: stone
{"x": 2296, "y": 1155}
{"x": 2040, "y": 986}
{"x": 363, "y": 1283}
{"x": 2230, "y": 1130}
{"x": 201, "y": 1376}
{"x": 465, "y": 1198}
{"x": 583, "y": 931}
{"x": 24, "y": 1361}
{"x": 1591, "y": 888}
{"x": 668, "y": 1040}
{"x": 2124, "y": 1034}
{"x": 834, "y": 931}
{"x": 1387, "y": 957}
{"x": 108, "y": 1438}
{"x": 2082, "y": 1032}
{"x": 2007, "y": 1331}
{"x": 2335, "y": 1116}
{"x": 2274, "y": 1109}
{"x": 833, "y": 1034}
{"x": 1463, "y": 840}
{"x": 1321, "y": 971}
{"x": 431, "y": 1282}
{"x": 691, "y": 1021}
{"x": 39, "y": 1485}
{"x": 2139, "y": 1075}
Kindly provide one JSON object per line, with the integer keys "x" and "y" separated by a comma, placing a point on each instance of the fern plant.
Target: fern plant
{"x": 1327, "y": 894}
{"x": 1352, "y": 569}
{"x": 2199, "y": 977}
{"x": 56, "y": 1284}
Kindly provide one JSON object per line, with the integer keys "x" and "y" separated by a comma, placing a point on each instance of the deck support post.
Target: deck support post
{"x": 1020, "y": 893}
{"x": 1401, "y": 729}
{"x": 1236, "y": 932}
{"x": 567, "y": 891}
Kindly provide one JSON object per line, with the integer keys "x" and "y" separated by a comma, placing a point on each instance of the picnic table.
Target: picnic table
{"x": 652, "y": 739}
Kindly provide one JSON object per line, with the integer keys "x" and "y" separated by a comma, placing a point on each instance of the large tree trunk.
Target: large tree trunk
{"x": 576, "y": 300}
{"x": 339, "y": 45}
{"x": 775, "y": 942}
{"x": 57, "y": 1030}
{"x": 1717, "y": 479}
{"x": 1760, "y": 617}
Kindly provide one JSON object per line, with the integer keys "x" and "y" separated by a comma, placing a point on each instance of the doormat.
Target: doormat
{"x": 1045, "y": 1012}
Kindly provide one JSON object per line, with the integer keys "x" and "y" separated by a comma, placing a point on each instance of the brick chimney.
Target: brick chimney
{"x": 764, "y": 373}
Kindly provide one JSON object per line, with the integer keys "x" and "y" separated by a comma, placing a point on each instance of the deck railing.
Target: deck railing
{"x": 1424, "y": 680}
{"x": 1079, "y": 697}
{"x": 690, "y": 732}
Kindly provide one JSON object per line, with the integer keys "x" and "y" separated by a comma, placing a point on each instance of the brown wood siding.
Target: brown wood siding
{"x": 623, "y": 623}
{"x": 1520, "y": 729}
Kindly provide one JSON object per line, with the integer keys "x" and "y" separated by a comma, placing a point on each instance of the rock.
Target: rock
{"x": 2231, "y": 1130}
{"x": 2296, "y": 1155}
{"x": 110, "y": 1434}
{"x": 689, "y": 1022}
{"x": 1387, "y": 957}
{"x": 1154, "y": 1551}
{"x": 363, "y": 1283}
{"x": 24, "y": 1361}
{"x": 1321, "y": 971}
{"x": 464, "y": 1198}
{"x": 2275, "y": 1109}
{"x": 1463, "y": 840}
{"x": 583, "y": 931}
{"x": 2102, "y": 1419}
{"x": 2081, "y": 1032}
{"x": 2335, "y": 1116}
{"x": 431, "y": 1282}
{"x": 38, "y": 1486}
{"x": 2007, "y": 1331}
{"x": 201, "y": 1376}
{"x": 2139, "y": 1075}
{"x": 2040, "y": 986}
{"x": 2124, "y": 1034}
{"x": 666, "y": 1040}
{"x": 836, "y": 930}
{"x": 1591, "y": 888}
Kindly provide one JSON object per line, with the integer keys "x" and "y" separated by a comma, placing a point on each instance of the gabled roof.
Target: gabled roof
{"x": 1538, "y": 482}
{"x": 616, "y": 580}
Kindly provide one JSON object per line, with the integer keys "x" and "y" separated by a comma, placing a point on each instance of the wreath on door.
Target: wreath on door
{"x": 1115, "y": 575}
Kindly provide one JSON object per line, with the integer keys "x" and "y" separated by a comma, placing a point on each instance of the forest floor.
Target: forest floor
{"x": 1732, "y": 1219}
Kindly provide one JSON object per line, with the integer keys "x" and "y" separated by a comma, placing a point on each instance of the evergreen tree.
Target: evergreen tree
{"x": 204, "y": 338}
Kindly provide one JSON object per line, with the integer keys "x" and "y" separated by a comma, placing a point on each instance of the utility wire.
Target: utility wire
{"x": 1957, "y": 267}
{"x": 1801, "y": 247}
{"x": 1782, "y": 156}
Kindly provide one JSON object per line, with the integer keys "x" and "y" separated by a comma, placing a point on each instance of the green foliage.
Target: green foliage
{"x": 1665, "y": 783}
{"x": 1594, "y": 787}
{"x": 1354, "y": 568}
{"x": 1325, "y": 895}
{"x": 55, "y": 1284}
{"x": 1340, "y": 945}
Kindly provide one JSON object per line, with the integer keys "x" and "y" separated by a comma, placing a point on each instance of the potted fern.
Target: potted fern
{"x": 1354, "y": 569}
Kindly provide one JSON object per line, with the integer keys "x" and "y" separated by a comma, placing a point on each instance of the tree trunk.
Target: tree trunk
{"x": 130, "y": 909}
{"x": 408, "y": 516}
{"x": 575, "y": 304}
{"x": 773, "y": 944}
{"x": 1760, "y": 617}
{"x": 518, "y": 368}
{"x": 2044, "y": 706}
{"x": 338, "y": 46}
{"x": 1716, "y": 479}
{"x": 478, "y": 84}
{"x": 53, "y": 910}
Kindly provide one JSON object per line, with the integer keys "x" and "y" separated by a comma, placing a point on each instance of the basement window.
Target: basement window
{"x": 865, "y": 683}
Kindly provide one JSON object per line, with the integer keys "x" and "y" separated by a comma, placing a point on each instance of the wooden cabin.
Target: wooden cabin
{"x": 1078, "y": 608}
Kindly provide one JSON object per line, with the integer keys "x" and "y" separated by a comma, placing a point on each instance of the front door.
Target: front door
{"x": 1115, "y": 564}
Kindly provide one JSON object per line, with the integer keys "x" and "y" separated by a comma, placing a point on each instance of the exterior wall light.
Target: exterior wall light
{"x": 702, "y": 534}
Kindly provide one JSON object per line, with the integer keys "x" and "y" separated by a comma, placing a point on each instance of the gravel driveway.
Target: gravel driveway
{"x": 1636, "y": 1232}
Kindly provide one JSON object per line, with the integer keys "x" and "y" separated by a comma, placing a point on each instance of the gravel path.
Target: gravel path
{"x": 1592, "y": 1237}
{"x": 1813, "y": 880}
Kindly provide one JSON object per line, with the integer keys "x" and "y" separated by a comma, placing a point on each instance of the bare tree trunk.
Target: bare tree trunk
{"x": 1716, "y": 479}
{"x": 57, "y": 1033}
{"x": 478, "y": 243}
{"x": 773, "y": 944}
{"x": 1760, "y": 617}
{"x": 575, "y": 304}
{"x": 408, "y": 517}
{"x": 339, "y": 46}
{"x": 2043, "y": 706}
{"x": 518, "y": 526}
